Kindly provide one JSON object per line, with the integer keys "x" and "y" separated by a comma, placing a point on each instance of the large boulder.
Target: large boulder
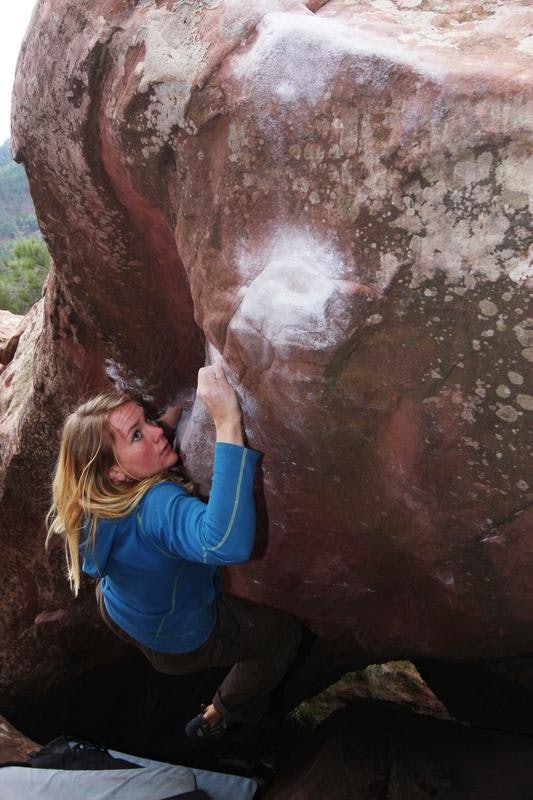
{"x": 331, "y": 197}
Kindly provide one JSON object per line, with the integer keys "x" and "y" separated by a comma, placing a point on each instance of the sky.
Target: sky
{"x": 15, "y": 19}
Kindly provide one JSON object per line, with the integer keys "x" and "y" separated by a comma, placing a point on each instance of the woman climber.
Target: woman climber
{"x": 155, "y": 549}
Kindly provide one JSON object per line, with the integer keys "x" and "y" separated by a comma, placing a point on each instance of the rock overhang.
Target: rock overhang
{"x": 346, "y": 224}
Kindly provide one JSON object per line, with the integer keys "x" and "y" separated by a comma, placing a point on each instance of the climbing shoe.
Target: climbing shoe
{"x": 199, "y": 728}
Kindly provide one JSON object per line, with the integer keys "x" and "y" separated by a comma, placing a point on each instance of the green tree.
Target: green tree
{"x": 22, "y": 275}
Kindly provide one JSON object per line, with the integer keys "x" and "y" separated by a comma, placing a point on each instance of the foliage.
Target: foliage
{"x": 22, "y": 275}
{"x": 24, "y": 259}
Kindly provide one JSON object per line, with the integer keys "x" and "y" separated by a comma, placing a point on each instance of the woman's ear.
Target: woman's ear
{"x": 116, "y": 474}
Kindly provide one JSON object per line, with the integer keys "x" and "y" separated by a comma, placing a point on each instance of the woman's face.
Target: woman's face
{"x": 141, "y": 448}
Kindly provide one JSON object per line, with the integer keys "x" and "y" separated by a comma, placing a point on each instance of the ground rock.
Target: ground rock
{"x": 374, "y": 749}
{"x": 14, "y": 746}
{"x": 331, "y": 198}
{"x": 398, "y": 682}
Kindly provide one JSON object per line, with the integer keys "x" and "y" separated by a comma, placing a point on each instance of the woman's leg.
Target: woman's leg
{"x": 262, "y": 643}
{"x": 259, "y": 641}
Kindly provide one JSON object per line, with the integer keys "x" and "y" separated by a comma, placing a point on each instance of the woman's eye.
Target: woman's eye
{"x": 136, "y": 436}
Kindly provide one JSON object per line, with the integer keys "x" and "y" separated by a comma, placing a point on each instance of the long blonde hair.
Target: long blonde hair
{"x": 82, "y": 491}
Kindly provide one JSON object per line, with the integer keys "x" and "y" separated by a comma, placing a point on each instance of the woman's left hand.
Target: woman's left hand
{"x": 221, "y": 402}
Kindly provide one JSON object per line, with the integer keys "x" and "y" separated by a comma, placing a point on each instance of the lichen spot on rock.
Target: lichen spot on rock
{"x": 525, "y": 401}
{"x": 515, "y": 378}
{"x": 503, "y": 391}
{"x": 507, "y": 413}
{"x": 488, "y": 308}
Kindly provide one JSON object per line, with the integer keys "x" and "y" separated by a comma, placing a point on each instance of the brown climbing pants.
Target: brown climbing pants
{"x": 260, "y": 642}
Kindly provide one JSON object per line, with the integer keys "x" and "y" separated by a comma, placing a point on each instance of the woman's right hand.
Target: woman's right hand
{"x": 220, "y": 400}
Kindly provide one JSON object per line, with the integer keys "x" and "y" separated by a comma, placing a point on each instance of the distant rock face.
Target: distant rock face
{"x": 332, "y": 198}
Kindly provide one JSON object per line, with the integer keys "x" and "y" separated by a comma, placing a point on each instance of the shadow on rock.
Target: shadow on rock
{"x": 373, "y": 750}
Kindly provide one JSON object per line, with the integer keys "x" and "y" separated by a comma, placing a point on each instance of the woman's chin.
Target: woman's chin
{"x": 171, "y": 459}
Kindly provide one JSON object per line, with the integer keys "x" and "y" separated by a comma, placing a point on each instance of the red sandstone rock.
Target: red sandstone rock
{"x": 397, "y": 682}
{"x": 336, "y": 203}
{"x": 11, "y": 329}
{"x": 14, "y": 746}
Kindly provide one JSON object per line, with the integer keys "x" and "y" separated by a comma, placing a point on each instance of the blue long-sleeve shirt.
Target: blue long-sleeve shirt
{"x": 158, "y": 564}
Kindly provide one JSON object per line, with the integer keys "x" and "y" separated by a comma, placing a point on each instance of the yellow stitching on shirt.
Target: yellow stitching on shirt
{"x": 173, "y": 600}
{"x": 234, "y": 512}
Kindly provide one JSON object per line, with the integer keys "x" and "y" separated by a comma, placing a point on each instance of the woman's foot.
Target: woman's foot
{"x": 212, "y": 716}
{"x": 210, "y": 724}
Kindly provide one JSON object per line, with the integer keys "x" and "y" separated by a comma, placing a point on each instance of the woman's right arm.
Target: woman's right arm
{"x": 223, "y": 530}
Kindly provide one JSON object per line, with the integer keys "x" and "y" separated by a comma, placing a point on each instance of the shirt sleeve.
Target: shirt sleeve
{"x": 221, "y": 531}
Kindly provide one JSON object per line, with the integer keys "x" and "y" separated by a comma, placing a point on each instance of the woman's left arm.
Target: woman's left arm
{"x": 223, "y": 531}
{"x": 171, "y": 415}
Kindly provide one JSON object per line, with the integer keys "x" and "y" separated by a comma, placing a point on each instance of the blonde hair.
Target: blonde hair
{"x": 82, "y": 490}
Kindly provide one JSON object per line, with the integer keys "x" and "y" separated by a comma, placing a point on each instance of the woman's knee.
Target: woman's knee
{"x": 266, "y": 633}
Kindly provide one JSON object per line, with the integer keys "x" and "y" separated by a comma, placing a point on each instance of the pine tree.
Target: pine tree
{"x": 22, "y": 275}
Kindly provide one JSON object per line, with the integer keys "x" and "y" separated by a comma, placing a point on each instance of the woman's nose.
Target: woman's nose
{"x": 157, "y": 433}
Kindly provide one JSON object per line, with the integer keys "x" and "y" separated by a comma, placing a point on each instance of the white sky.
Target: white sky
{"x": 15, "y": 18}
